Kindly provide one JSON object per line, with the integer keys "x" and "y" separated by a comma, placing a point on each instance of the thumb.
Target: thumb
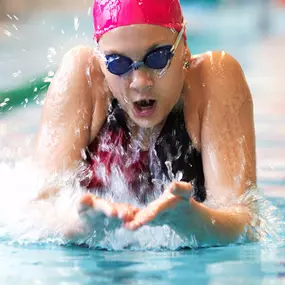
{"x": 181, "y": 189}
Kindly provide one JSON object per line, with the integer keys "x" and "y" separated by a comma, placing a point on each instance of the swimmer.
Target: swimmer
{"x": 141, "y": 103}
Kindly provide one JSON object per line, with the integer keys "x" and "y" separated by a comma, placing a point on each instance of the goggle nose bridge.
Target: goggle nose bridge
{"x": 137, "y": 64}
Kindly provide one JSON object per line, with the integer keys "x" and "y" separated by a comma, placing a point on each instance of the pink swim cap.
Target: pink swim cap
{"x": 110, "y": 14}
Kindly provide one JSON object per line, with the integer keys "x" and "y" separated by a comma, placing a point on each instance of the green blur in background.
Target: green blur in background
{"x": 45, "y": 30}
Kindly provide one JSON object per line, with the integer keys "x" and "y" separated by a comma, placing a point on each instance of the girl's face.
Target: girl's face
{"x": 145, "y": 94}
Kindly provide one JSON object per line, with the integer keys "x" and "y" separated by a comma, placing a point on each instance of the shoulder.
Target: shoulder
{"x": 213, "y": 60}
{"x": 217, "y": 70}
{"x": 82, "y": 58}
{"x": 216, "y": 87}
{"x": 219, "y": 76}
{"x": 79, "y": 88}
{"x": 79, "y": 74}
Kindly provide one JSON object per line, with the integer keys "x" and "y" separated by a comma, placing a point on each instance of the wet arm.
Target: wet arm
{"x": 227, "y": 144}
{"x": 75, "y": 99}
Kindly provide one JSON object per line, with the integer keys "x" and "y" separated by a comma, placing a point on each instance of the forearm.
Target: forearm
{"x": 216, "y": 226}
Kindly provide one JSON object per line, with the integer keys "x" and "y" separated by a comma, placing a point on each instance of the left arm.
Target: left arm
{"x": 227, "y": 144}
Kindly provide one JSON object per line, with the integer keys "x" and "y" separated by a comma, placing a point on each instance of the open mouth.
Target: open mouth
{"x": 144, "y": 108}
{"x": 144, "y": 104}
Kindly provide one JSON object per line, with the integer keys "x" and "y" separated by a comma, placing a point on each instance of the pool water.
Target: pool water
{"x": 49, "y": 261}
{"x": 71, "y": 265}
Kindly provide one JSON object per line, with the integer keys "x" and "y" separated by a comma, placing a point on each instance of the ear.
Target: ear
{"x": 187, "y": 54}
{"x": 186, "y": 67}
{"x": 186, "y": 59}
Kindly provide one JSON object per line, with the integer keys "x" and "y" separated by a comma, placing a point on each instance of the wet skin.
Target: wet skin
{"x": 218, "y": 114}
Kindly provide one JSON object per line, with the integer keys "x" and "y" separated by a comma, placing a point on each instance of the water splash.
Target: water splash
{"x": 23, "y": 221}
{"x": 267, "y": 225}
{"x": 49, "y": 222}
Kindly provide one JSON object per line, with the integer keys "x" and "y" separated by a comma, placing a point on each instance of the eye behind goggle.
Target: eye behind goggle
{"x": 118, "y": 64}
{"x": 155, "y": 59}
{"x": 158, "y": 58}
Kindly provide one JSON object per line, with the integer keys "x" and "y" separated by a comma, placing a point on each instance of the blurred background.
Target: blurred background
{"x": 34, "y": 35}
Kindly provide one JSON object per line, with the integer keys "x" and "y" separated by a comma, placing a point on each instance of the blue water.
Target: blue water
{"x": 42, "y": 261}
{"x": 51, "y": 264}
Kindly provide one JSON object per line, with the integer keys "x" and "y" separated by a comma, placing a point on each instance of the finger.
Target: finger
{"x": 126, "y": 212}
{"x": 154, "y": 211}
{"x": 181, "y": 189}
{"x": 90, "y": 205}
{"x": 143, "y": 217}
{"x": 105, "y": 207}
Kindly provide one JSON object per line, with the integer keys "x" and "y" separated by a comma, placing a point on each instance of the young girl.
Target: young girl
{"x": 142, "y": 106}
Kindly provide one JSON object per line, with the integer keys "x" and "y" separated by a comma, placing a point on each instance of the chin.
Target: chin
{"x": 147, "y": 123}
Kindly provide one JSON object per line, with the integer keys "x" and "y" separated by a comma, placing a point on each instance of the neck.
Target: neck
{"x": 144, "y": 138}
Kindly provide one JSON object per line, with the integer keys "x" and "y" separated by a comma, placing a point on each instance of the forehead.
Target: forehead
{"x": 136, "y": 37}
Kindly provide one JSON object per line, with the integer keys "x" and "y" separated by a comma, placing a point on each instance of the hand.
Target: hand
{"x": 170, "y": 208}
{"x": 95, "y": 211}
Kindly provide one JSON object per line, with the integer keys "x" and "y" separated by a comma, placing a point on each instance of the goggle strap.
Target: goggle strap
{"x": 175, "y": 45}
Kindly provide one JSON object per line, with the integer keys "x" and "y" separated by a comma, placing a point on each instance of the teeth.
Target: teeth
{"x": 145, "y": 103}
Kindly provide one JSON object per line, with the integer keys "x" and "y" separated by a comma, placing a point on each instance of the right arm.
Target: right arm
{"x": 75, "y": 109}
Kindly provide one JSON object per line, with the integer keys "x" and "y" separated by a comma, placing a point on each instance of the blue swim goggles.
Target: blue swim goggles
{"x": 155, "y": 59}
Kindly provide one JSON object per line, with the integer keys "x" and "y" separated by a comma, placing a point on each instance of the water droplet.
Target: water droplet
{"x": 76, "y": 23}
{"x": 50, "y": 73}
{"x": 16, "y": 74}
{"x": 52, "y": 51}
{"x": 14, "y": 26}
{"x": 77, "y": 132}
{"x": 7, "y": 33}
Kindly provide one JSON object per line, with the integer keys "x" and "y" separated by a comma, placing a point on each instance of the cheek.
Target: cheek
{"x": 172, "y": 81}
{"x": 117, "y": 85}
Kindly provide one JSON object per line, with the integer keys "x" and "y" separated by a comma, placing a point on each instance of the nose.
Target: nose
{"x": 141, "y": 80}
